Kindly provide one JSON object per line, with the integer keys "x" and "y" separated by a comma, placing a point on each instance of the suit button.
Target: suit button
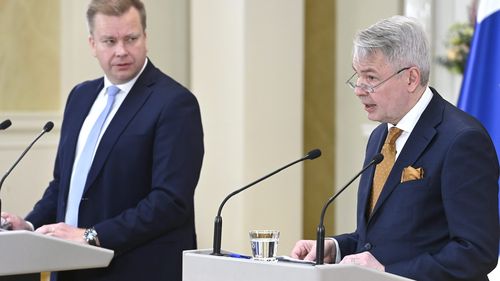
{"x": 367, "y": 246}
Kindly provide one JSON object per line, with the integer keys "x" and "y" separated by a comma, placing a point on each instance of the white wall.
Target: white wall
{"x": 351, "y": 123}
{"x": 246, "y": 69}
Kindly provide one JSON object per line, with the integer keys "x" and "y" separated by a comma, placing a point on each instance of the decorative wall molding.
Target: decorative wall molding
{"x": 26, "y": 126}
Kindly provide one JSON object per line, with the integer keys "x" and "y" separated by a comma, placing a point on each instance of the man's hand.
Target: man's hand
{"x": 306, "y": 250}
{"x": 13, "y": 222}
{"x": 365, "y": 259}
{"x": 63, "y": 231}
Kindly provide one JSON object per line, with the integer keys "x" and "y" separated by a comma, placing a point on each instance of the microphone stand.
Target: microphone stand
{"x": 320, "y": 232}
{"x": 48, "y": 126}
{"x": 218, "y": 219}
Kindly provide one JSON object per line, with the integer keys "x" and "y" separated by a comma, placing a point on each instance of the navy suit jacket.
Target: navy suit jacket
{"x": 140, "y": 188}
{"x": 444, "y": 226}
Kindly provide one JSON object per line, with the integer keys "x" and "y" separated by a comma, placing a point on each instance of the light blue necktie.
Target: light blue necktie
{"x": 86, "y": 157}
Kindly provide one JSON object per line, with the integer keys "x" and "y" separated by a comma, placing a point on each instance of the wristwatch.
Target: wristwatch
{"x": 90, "y": 236}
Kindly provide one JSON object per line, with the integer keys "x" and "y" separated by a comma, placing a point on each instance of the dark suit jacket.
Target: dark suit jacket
{"x": 140, "y": 188}
{"x": 444, "y": 226}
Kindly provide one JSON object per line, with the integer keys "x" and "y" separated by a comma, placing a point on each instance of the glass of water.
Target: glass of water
{"x": 264, "y": 244}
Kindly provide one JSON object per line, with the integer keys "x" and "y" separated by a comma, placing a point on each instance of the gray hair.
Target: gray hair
{"x": 401, "y": 40}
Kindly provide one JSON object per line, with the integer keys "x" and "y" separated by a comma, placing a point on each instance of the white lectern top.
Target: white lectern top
{"x": 23, "y": 252}
{"x": 201, "y": 266}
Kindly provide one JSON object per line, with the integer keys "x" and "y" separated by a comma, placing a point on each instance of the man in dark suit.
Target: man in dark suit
{"x": 433, "y": 213}
{"x": 138, "y": 187}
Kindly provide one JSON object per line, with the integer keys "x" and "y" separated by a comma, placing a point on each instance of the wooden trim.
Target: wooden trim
{"x": 319, "y": 117}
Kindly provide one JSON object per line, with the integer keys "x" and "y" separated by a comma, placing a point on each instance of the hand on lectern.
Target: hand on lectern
{"x": 306, "y": 250}
{"x": 4, "y": 225}
{"x": 365, "y": 259}
{"x": 14, "y": 222}
{"x": 63, "y": 231}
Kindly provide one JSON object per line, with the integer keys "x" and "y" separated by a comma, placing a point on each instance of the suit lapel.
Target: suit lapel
{"x": 79, "y": 105}
{"x": 134, "y": 101}
{"x": 420, "y": 138}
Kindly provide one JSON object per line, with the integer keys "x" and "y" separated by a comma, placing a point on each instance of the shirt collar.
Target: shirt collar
{"x": 125, "y": 87}
{"x": 408, "y": 122}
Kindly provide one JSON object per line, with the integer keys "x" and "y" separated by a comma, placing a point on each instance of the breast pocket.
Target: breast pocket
{"x": 403, "y": 202}
{"x": 414, "y": 192}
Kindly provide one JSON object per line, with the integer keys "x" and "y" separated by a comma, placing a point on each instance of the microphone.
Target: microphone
{"x": 5, "y": 124}
{"x": 320, "y": 237}
{"x": 313, "y": 154}
{"x": 48, "y": 126}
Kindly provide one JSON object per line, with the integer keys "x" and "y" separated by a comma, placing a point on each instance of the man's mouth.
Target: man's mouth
{"x": 369, "y": 107}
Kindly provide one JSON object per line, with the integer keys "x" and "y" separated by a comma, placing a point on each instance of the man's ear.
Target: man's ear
{"x": 92, "y": 45}
{"x": 413, "y": 79}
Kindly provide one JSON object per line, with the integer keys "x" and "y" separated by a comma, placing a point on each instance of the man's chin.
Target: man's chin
{"x": 372, "y": 117}
{"x": 121, "y": 78}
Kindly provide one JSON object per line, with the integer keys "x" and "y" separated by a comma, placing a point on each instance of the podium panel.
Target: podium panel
{"x": 199, "y": 265}
{"x": 23, "y": 277}
{"x": 23, "y": 252}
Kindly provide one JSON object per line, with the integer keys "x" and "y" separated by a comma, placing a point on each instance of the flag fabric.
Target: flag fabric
{"x": 480, "y": 91}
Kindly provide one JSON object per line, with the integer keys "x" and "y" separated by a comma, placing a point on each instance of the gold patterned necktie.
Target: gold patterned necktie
{"x": 384, "y": 168}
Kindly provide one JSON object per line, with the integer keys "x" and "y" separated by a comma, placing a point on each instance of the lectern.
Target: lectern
{"x": 25, "y": 252}
{"x": 199, "y": 265}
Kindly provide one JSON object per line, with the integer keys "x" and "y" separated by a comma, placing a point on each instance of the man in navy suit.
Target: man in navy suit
{"x": 436, "y": 217}
{"x": 138, "y": 195}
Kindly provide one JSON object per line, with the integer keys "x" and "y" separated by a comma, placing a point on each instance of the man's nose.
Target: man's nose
{"x": 360, "y": 91}
{"x": 120, "y": 49}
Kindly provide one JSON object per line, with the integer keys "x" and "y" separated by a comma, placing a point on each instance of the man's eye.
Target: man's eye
{"x": 109, "y": 41}
{"x": 131, "y": 39}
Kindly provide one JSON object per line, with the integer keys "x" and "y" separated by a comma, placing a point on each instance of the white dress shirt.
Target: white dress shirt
{"x": 97, "y": 108}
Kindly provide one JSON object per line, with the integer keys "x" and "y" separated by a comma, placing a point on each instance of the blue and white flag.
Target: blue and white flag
{"x": 480, "y": 93}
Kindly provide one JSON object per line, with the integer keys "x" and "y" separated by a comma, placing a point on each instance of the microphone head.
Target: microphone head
{"x": 48, "y": 126}
{"x": 313, "y": 154}
{"x": 5, "y": 124}
{"x": 378, "y": 158}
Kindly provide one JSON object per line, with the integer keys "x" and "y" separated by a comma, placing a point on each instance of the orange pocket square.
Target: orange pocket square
{"x": 411, "y": 174}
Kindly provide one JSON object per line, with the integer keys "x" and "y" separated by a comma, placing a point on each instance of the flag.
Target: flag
{"x": 480, "y": 91}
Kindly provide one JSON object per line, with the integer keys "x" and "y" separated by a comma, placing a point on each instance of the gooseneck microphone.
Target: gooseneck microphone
{"x": 313, "y": 154}
{"x": 5, "y": 124}
{"x": 320, "y": 237}
{"x": 48, "y": 126}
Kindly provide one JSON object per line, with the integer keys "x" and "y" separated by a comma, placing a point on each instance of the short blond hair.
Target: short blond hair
{"x": 114, "y": 8}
